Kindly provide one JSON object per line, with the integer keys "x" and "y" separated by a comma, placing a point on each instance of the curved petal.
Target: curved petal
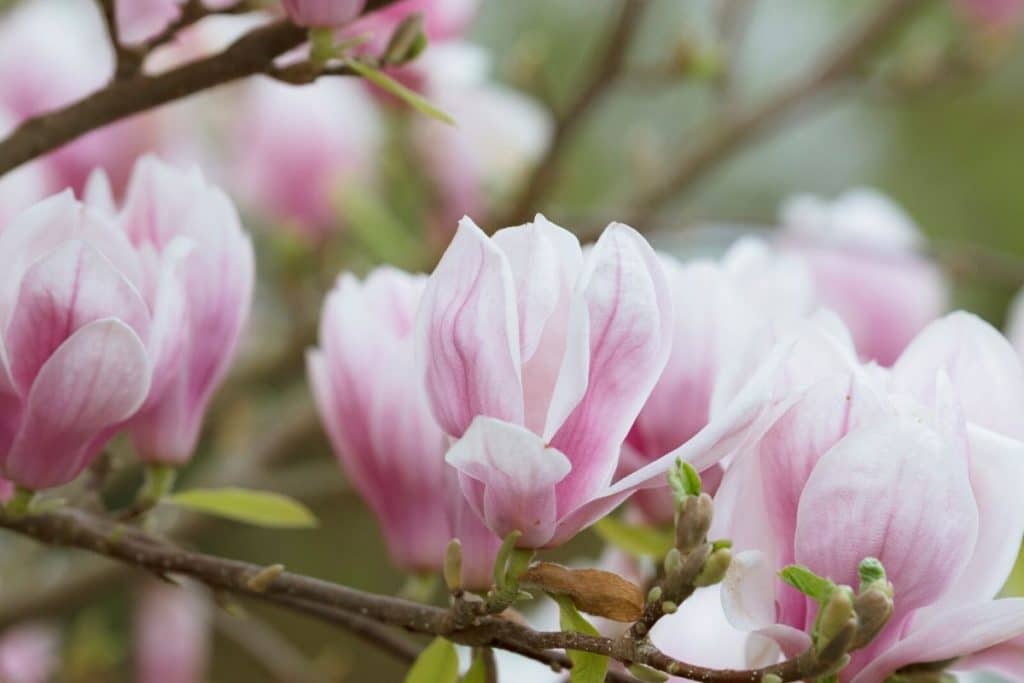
{"x": 468, "y": 335}
{"x": 94, "y": 381}
{"x": 956, "y": 633}
{"x": 748, "y": 591}
{"x": 519, "y": 474}
{"x": 630, "y": 333}
{"x": 73, "y": 286}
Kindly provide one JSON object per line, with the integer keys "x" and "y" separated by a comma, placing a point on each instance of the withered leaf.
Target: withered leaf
{"x": 593, "y": 591}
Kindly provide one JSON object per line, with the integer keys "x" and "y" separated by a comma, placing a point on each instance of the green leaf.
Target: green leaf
{"x": 477, "y": 671}
{"x": 587, "y": 667}
{"x": 639, "y": 541}
{"x": 807, "y": 582}
{"x": 501, "y": 560}
{"x": 260, "y": 508}
{"x": 414, "y": 100}
{"x": 438, "y": 663}
{"x": 684, "y": 480}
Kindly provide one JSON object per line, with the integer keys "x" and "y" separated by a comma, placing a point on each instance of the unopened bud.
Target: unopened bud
{"x": 673, "y": 561}
{"x": 654, "y": 595}
{"x": 695, "y": 513}
{"x": 261, "y": 580}
{"x": 870, "y": 570}
{"x": 873, "y": 608}
{"x": 407, "y": 42}
{"x": 714, "y": 568}
{"x": 669, "y": 607}
{"x": 836, "y": 615}
{"x": 453, "y": 565}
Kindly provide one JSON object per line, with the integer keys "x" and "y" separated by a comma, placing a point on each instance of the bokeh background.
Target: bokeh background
{"x": 936, "y": 122}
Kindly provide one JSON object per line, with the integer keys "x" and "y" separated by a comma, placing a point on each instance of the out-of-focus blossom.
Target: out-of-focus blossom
{"x": 443, "y": 20}
{"x": 29, "y": 654}
{"x": 323, "y": 13}
{"x": 538, "y": 360}
{"x": 172, "y": 635}
{"x": 174, "y": 214}
{"x": 994, "y": 13}
{"x": 500, "y": 133}
{"x": 74, "y": 330}
{"x": 141, "y": 19}
{"x": 865, "y": 255}
{"x": 381, "y": 427}
{"x": 299, "y": 149}
{"x": 856, "y": 467}
{"x": 721, "y": 315}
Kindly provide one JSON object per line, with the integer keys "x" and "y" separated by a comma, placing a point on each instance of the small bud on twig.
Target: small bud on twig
{"x": 261, "y": 580}
{"x": 714, "y": 568}
{"x": 453, "y": 565}
{"x": 695, "y": 513}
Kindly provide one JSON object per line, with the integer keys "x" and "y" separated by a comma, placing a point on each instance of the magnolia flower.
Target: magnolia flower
{"x": 857, "y": 466}
{"x": 865, "y": 254}
{"x": 442, "y": 20}
{"x": 78, "y": 340}
{"x": 720, "y": 319}
{"x": 381, "y": 427}
{"x": 172, "y": 635}
{"x": 29, "y": 653}
{"x": 177, "y": 215}
{"x": 1000, "y": 14}
{"x": 300, "y": 148}
{"x": 323, "y": 13}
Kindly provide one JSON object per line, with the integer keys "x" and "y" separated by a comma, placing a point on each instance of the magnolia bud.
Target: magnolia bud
{"x": 835, "y": 617}
{"x": 669, "y": 607}
{"x": 695, "y": 513}
{"x": 453, "y": 565}
{"x": 714, "y": 568}
{"x": 873, "y": 608}
{"x": 407, "y": 42}
{"x": 673, "y": 561}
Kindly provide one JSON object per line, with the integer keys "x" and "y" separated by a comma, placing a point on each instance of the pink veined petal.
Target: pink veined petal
{"x": 479, "y": 544}
{"x": 95, "y": 380}
{"x": 468, "y": 335}
{"x": 61, "y": 293}
{"x": 1005, "y": 658}
{"x": 985, "y": 371}
{"x": 518, "y": 473}
{"x": 630, "y": 335}
{"x": 956, "y": 633}
{"x": 10, "y": 404}
{"x": 167, "y": 334}
{"x": 874, "y": 495}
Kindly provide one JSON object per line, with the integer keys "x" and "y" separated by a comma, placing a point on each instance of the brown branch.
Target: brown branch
{"x": 313, "y": 596}
{"x": 726, "y": 136}
{"x": 604, "y": 76}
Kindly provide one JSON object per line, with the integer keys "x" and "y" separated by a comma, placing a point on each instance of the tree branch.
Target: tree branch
{"x": 323, "y": 599}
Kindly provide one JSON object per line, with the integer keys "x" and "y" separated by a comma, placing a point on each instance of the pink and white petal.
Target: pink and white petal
{"x": 874, "y": 495}
{"x": 573, "y": 370}
{"x": 71, "y": 287}
{"x": 468, "y": 334}
{"x": 168, "y": 334}
{"x": 959, "y": 632}
{"x": 985, "y": 371}
{"x": 748, "y": 591}
{"x": 10, "y": 404}
{"x": 519, "y": 474}
{"x": 1005, "y": 659}
{"x": 94, "y": 381}
{"x": 99, "y": 194}
{"x": 630, "y": 320}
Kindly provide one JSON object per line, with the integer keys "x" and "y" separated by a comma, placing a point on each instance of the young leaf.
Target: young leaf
{"x": 807, "y": 582}
{"x": 477, "y": 672}
{"x": 586, "y": 666}
{"x": 684, "y": 480}
{"x": 260, "y": 508}
{"x": 385, "y": 82}
{"x": 638, "y": 541}
{"x": 438, "y": 663}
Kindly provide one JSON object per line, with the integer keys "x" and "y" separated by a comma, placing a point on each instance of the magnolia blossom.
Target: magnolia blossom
{"x": 442, "y": 20}
{"x": 917, "y": 466}
{"x": 172, "y": 635}
{"x": 865, "y": 254}
{"x": 323, "y": 13}
{"x": 724, "y": 313}
{"x": 29, "y": 653}
{"x": 1000, "y": 14}
{"x": 300, "y": 149}
{"x": 381, "y": 427}
{"x": 174, "y": 214}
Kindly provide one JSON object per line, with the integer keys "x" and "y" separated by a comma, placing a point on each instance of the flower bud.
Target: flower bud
{"x": 835, "y": 617}
{"x": 714, "y": 568}
{"x": 323, "y": 13}
{"x": 453, "y": 565}
{"x": 673, "y": 561}
{"x": 873, "y": 608}
{"x": 695, "y": 513}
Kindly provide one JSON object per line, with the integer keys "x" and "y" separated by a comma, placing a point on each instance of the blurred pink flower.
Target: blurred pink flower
{"x": 995, "y": 13}
{"x": 323, "y": 13}
{"x": 442, "y": 20}
{"x": 865, "y": 253}
{"x": 381, "y": 427}
{"x": 172, "y": 635}
{"x": 856, "y": 466}
{"x": 29, "y": 654}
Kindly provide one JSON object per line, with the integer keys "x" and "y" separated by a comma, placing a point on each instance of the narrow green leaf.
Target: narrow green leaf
{"x": 684, "y": 480}
{"x": 438, "y": 663}
{"x": 639, "y": 541}
{"x": 501, "y": 560}
{"x": 260, "y": 508}
{"x": 413, "y": 99}
{"x": 807, "y": 582}
{"x": 587, "y": 667}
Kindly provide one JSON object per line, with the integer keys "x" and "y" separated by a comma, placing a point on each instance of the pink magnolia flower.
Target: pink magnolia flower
{"x": 323, "y": 13}
{"x": 174, "y": 214}
{"x": 301, "y": 148}
{"x": 29, "y": 653}
{"x": 172, "y": 635}
{"x": 865, "y": 255}
{"x": 381, "y": 427}
{"x": 74, "y": 330}
{"x": 857, "y": 466}
{"x": 538, "y": 360}
{"x": 728, "y": 320}
{"x": 994, "y": 13}
{"x": 442, "y": 20}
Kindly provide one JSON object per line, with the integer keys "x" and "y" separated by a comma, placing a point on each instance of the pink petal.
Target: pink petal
{"x": 95, "y": 380}
{"x": 956, "y": 633}
{"x": 518, "y": 473}
{"x": 625, "y": 292}
{"x": 469, "y": 336}
{"x": 73, "y": 286}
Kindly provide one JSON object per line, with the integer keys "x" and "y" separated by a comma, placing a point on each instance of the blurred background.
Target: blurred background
{"x": 336, "y": 176}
